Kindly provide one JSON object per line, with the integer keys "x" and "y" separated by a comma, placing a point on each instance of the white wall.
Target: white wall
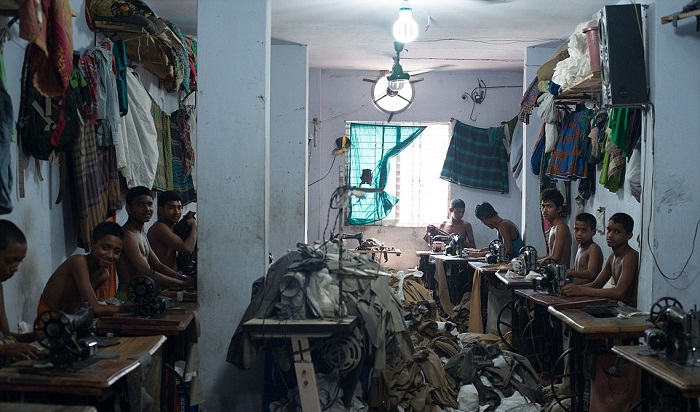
{"x": 338, "y": 96}
{"x": 671, "y": 184}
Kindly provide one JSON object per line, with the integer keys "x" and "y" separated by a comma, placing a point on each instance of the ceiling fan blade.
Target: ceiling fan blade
{"x": 370, "y": 80}
{"x": 404, "y": 98}
{"x": 416, "y": 80}
{"x": 417, "y": 72}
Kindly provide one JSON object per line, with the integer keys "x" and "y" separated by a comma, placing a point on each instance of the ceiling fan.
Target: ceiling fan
{"x": 393, "y": 93}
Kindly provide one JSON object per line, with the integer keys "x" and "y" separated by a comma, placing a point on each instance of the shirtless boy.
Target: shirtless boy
{"x": 455, "y": 224}
{"x": 589, "y": 258}
{"x": 13, "y": 248}
{"x": 137, "y": 257}
{"x": 74, "y": 282}
{"x": 162, "y": 238}
{"x": 621, "y": 265}
{"x": 559, "y": 239}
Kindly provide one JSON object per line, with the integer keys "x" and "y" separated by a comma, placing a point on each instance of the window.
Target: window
{"x": 414, "y": 178}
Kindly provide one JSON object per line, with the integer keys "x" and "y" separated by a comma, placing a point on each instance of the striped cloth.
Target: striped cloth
{"x": 164, "y": 171}
{"x": 529, "y": 101}
{"x": 182, "y": 180}
{"x": 96, "y": 193}
{"x": 565, "y": 162}
{"x": 476, "y": 158}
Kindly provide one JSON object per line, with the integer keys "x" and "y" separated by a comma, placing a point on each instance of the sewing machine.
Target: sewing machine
{"x": 144, "y": 292}
{"x": 438, "y": 242}
{"x": 552, "y": 276}
{"x": 68, "y": 337}
{"x": 497, "y": 252}
{"x": 525, "y": 262}
{"x": 357, "y": 236}
{"x": 676, "y": 332}
{"x": 455, "y": 245}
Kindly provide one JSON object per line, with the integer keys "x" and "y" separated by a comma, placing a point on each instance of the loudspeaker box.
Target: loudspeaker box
{"x": 622, "y": 62}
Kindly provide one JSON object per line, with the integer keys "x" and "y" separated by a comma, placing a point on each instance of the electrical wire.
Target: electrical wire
{"x": 326, "y": 175}
{"x": 651, "y": 214}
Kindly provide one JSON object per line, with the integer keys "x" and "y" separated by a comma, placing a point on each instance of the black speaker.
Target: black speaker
{"x": 622, "y": 64}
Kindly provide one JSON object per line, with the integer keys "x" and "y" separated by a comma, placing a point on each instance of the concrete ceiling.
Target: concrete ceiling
{"x": 454, "y": 34}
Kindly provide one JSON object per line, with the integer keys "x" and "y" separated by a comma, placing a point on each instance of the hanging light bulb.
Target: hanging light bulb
{"x": 405, "y": 28}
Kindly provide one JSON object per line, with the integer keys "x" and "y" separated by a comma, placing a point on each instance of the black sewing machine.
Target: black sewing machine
{"x": 357, "y": 236}
{"x": 497, "y": 252}
{"x": 552, "y": 276}
{"x": 525, "y": 262}
{"x": 676, "y": 333}
{"x": 455, "y": 245}
{"x": 68, "y": 337}
{"x": 144, "y": 292}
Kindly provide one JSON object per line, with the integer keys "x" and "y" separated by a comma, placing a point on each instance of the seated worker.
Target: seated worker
{"x": 74, "y": 282}
{"x": 454, "y": 225}
{"x": 507, "y": 231}
{"x": 137, "y": 257}
{"x": 559, "y": 237}
{"x": 621, "y": 266}
{"x": 589, "y": 258}
{"x": 13, "y": 248}
{"x": 163, "y": 240}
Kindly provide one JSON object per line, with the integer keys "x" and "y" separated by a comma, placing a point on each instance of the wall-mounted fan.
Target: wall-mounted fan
{"x": 393, "y": 93}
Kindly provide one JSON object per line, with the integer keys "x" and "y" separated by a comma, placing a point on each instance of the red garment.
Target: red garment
{"x": 49, "y": 30}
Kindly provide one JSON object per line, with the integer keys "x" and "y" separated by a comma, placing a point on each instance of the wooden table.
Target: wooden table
{"x": 177, "y": 323}
{"x": 299, "y": 332}
{"x": 180, "y": 295}
{"x": 42, "y": 407}
{"x": 482, "y": 287}
{"x": 598, "y": 324}
{"x": 685, "y": 379}
{"x": 91, "y": 378}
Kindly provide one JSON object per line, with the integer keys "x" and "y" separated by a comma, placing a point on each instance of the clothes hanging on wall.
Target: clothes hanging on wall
{"x": 164, "y": 171}
{"x": 108, "y": 130}
{"x": 95, "y": 182}
{"x": 183, "y": 156}
{"x": 476, "y": 158}
{"x": 565, "y": 162}
{"x": 137, "y": 155}
{"x": 6, "y": 128}
{"x": 48, "y": 27}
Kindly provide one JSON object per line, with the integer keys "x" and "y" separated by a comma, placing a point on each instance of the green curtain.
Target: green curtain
{"x": 371, "y": 147}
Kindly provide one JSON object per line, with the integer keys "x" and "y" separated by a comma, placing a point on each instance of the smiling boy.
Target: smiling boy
{"x": 621, "y": 266}
{"x": 137, "y": 257}
{"x": 74, "y": 282}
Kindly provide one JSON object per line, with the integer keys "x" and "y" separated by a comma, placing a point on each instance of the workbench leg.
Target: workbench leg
{"x": 306, "y": 377}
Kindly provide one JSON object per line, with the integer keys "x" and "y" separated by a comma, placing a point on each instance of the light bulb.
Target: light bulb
{"x": 405, "y": 28}
{"x": 396, "y": 85}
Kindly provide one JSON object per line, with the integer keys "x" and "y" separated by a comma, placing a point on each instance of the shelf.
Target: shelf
{"x": 9, "y": 7}
{"x": 583, "y": 90}
{"x": 673, "y": 18}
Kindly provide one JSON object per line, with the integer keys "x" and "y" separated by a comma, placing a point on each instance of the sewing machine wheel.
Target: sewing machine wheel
{"x": 141, "y": 290}
{"x": 658, "y": 308}
{"x": 342, "y": 353}
{"x": 49, "y": 329}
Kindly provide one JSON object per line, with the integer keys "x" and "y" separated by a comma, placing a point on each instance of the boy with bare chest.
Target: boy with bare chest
{"x": 559, "y": 238}
{"x": 75, "y": 281}
{"x": 621, "y": 266}
{"x": 137, "y": 257}
{"x": 589, "y": 257}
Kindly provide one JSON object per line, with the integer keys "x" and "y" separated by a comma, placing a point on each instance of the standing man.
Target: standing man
{"x": 166, "y": 244}
{"x": 137, "y": 257}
